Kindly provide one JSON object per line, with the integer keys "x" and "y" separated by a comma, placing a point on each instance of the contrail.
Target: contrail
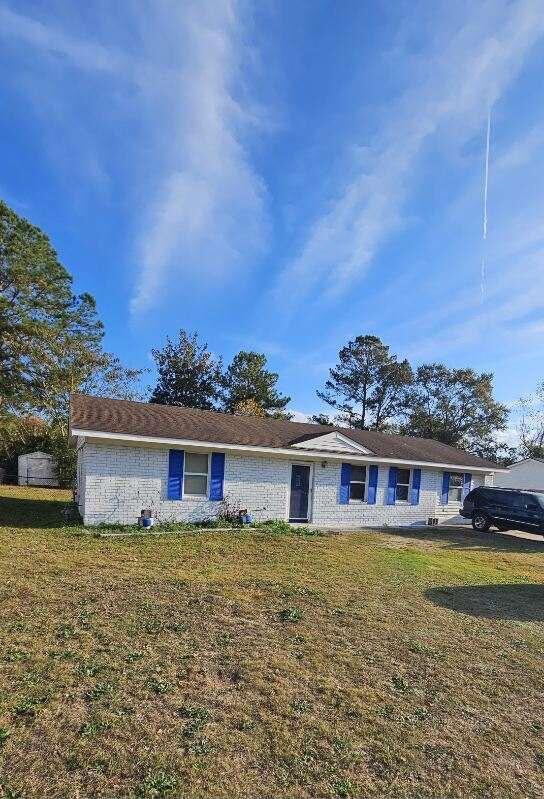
{"x": 483, "y": 272}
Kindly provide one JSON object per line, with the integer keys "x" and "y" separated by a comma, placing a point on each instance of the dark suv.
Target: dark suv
{"x": 505, "y": 508}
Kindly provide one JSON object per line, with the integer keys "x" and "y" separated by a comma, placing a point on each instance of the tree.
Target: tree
{"x": 249, "y": 407}
{"x": 41, "y": 320}
{"x": 22, "y": 434}
{"x": 531, "y": 425}
{"x": 50, "y": 339}
{"x": 368, "y": 385}
{"x": 321, "y": 418}
{"x": 50, "y": 345}
{"x": 189, "y": 375}
{"x": 248, "y": 379}
{"x": 455, "y": 406}
{"x": 98, "y": 373}
{"x": 18, "y": 435}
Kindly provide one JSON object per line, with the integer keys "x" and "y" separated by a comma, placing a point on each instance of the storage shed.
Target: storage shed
{"x": 37, "y": 469}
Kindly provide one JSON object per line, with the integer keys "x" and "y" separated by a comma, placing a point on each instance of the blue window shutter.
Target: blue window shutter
{"x": 217, "y": 475}
{"x": 416, "y": 485}
{"x": 392, "y": 486}
{"x": 445, "y": 487}
{"x": 467, "y": 483}
{"x": 345, "y": 479}
{"x": 372, "y": 485}
{"x": 175, "y": 474}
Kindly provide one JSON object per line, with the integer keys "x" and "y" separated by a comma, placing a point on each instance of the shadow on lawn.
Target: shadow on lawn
{"x": 459, "y": 538}
{"x": 514, "y": 602}
{"x": 34, "y": 513}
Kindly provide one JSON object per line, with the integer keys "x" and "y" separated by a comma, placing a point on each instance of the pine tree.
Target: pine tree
{"x": 50, "y": 338}
{"x": 247, "y": 379}
{"x": 189, "y": 375}
{"x": 42, "y": 322}
{"x": 368, "y": 384}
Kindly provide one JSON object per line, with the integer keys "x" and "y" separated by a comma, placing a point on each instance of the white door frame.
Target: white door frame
{"x": 310, "y": 489}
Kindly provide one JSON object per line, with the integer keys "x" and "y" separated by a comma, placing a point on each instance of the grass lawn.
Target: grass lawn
{"x": 243, "y": 664}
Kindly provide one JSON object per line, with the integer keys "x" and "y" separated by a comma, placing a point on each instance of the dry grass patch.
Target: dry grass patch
{"x": 242, "y": 664}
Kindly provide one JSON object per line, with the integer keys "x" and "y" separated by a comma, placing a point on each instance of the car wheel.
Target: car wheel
{"x": 480, "y": 522}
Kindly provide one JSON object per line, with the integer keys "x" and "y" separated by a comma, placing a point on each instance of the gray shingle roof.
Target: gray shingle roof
{"x": 192, "y": 424}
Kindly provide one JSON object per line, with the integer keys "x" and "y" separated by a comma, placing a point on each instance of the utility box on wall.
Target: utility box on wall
{"x": 36, "y": 469}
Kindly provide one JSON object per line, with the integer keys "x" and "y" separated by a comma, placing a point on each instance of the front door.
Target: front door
{"x": 300, "y": 490}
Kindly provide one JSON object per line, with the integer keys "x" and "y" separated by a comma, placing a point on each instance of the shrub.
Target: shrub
{"x": 281, "y": 527}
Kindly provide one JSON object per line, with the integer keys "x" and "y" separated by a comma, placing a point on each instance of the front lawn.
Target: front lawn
{"x": 249, "y": 664}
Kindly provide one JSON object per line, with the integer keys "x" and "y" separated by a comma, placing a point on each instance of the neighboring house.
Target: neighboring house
{"x": 528, "y": 473}
{"x": 36, "y": 469}
{"x": 182, "y": 462}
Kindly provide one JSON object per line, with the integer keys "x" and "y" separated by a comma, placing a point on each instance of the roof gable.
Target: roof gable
{"x": 333, "y": 442}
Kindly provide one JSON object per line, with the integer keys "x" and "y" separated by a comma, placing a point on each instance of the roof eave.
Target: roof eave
{"x": 292, "y": 452}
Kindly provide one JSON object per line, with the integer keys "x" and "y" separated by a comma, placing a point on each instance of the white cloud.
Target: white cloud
{"x": 83, "y": 54}
{"x": 207, "y": 218}
{"x": 509, "y": 437}
{"x": 171, "y": 81}
{"x": 300, "y": 416}
{"x": 522, "y": 151}
{"x": 465, "y": 70}
{"x": 500, "y": 320}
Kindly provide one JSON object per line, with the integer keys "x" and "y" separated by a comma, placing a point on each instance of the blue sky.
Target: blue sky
{"x": 283, "y": 176}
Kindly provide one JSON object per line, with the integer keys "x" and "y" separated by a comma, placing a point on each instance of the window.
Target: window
{"x": 529, "y": 503}
{"x": 403, "y": 484}
{"x": 455, "y": 493}
{"x": 540, "y": 499}
{"x": 508, "y": 500}
{"x": 195, "y": 475}
{"x": 357, "y": 483}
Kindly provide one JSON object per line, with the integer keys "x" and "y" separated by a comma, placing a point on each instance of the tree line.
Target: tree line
{"x": 51, "y": 344}
{"x": 189, "y": 375}
{"x": 369, "y": 388}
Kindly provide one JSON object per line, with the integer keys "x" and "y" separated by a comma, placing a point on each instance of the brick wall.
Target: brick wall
{"x": 329, "y": 513}
{"x": 116, "y": 482}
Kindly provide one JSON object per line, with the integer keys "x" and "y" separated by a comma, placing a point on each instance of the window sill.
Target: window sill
{"x": 188, "y": 498}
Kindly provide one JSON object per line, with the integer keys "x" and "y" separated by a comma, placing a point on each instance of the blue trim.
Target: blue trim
{"x": 372, "y": 485}
{"x": 445, "y": 487}
{"x": 217, "y": 476}
{"x": 345, "y": 480}
{"x": 175, "y": 474}
{"x": 392, "y": 486}
{"x": 467, "y": 484}
{"x": 416, "y": 485}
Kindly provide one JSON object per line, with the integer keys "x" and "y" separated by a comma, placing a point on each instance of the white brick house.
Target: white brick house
{"x": 183, "y": 463}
